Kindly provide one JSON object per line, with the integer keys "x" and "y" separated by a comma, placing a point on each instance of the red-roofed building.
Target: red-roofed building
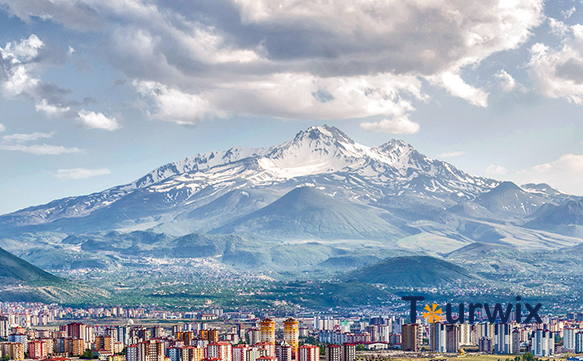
{"x": 309, "y": 353}
{"x": 267, "y": 358}
{"x": 220, "y": 350}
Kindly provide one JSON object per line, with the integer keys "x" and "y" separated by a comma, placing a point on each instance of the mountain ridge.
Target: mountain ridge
{"x": 315, "y": 152}
{"x": 406, "y": 191}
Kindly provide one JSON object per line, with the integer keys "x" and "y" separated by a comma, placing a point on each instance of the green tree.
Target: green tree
{"x": 360, "y": 347}
{"x": 311, "y": 340}
{"x": 528, "y": 357}
{"x": 5, "y": 358}
{"x": 87, "y": 355}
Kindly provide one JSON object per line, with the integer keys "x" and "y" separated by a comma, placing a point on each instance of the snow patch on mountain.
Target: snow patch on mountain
{"x": 321, "y": 155}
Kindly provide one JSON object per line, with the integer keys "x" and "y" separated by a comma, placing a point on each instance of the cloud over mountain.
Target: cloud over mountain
{"x": 295, "y": 59}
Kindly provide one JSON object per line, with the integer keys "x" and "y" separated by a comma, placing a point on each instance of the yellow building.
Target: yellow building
{"x": 104, "y": 343}
{"x": 77, "y": 347}
{"x": 192, "y": 353}
{"x": 291, "y": 335}
{"x": 14, "y": 350}
{"x": 17, "y": 351}
{"x": 211, "y": 335}
{"x": 268, "y": 331}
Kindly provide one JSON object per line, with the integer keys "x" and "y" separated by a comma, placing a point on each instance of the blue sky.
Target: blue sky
{"x": 97, "y": 93}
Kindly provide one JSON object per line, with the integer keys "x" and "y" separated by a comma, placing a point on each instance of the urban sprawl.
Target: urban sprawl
{"x": 55, "y": 333}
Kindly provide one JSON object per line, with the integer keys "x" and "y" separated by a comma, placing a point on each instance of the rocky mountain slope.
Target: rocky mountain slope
{"x": 313, "y": 202}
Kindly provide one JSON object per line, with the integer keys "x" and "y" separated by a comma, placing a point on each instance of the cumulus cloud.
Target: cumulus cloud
{"x": 40, "y": 149}
{"x": 97, "y": 120}
{"x": 495, "y": 170}
{"x": 2, "y": 127}
{"x": 17, "y": 66}
{"x": 397, "y": 125}
{"x": 558, "y": 72}
{"x": 451, "y": 154}
{"x": 174, "y": 105}
{"x": 80, "y": 173}
{"x": 20, "y": 68}
{"x": 22, "y": 138}
{"x": 291, "y": 58}
{"x": 564, "y": 173}
{"x": 455, "y": 85}
{"x": 571, "y": 164}
{"x": 558, "y": 27}
{"x": 288, "y": 96}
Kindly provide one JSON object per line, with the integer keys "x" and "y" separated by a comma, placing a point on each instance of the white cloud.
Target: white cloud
{"x": 456, "y": 86}
{"x": 397, "y": 125}
{"x": 24, "y": 51}
{"x": 295, "y": 59}
{"x": 174, "y": 105}
{"x": 570, "y": 164}
{"x": 2, "y": 127}
{"x": 495, "y": 170}
{"x": 97, "y": 120}
{"x": 80, "y": 173}
{"x": 567, "y": 14}
{"x": 558, "y": 72}
{"x": 451, "y": 154}
{"x": 565, "y": 173}
{"x": 41, "y": 149}
{"x": 558, "y": 27}
{"x": 507, "y": 82}
{"x": 288, "y": 95}
{"x": 20, "y": 67}
{"x": 16, "y": 59}
{"x": 21, "y": 138}
{"x": 51, "y": 109}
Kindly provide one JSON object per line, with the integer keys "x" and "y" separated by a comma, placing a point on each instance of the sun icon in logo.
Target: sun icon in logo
{"x": 433, "y": 313}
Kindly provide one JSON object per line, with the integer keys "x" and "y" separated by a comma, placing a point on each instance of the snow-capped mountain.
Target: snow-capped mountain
{"x": 323, "y": 152}
{"x": 393, "y": 183}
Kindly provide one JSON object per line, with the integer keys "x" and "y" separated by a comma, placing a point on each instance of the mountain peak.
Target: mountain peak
{"x": 507, "y": 186}
{"x": 324, "y": 132}
{"x": 397, "y": 146}
{"x": 323, "y": 153}
{"x": 541, "y": 188}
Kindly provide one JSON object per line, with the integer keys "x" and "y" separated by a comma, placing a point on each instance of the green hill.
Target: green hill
{"x": 413, "y": 271}
{"x": 17, "y": 269}
{"x": 21, "y": 281}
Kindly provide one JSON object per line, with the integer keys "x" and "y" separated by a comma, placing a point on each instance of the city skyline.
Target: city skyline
{"x": 40, "y": 331}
